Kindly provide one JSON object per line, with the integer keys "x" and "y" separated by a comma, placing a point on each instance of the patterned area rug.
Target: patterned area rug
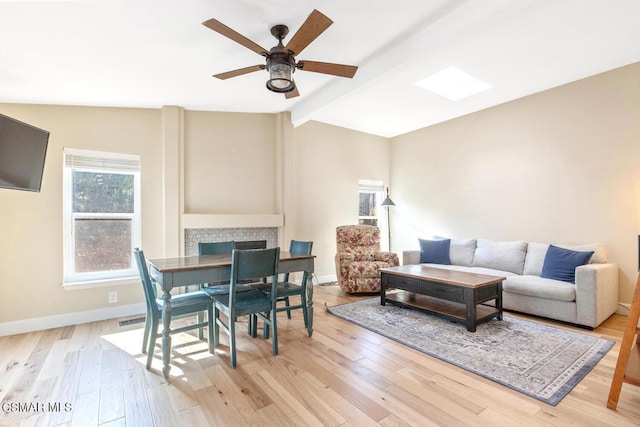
{"x": 540, "y": 361}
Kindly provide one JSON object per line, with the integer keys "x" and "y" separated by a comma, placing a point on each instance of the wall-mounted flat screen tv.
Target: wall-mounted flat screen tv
{"x": 23, "y": 149}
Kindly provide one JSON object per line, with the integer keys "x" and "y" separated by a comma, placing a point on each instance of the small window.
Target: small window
{"x": 101, "y": 215}
{"x": 370, "y": 197}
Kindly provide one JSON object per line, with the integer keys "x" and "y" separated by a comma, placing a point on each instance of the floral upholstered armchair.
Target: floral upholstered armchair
{"x": 358, "y": 258}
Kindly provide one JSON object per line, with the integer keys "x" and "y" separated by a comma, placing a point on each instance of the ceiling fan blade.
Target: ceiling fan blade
{"x": 238, "y": 72}
{"x": 328, "y": 68}
{"x": 219, "y": 27}
{"x": 292, "y": 94}
{"x": 315, "y": 25}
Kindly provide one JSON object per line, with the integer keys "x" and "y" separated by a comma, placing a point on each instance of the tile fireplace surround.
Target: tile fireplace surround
{"x": 195, "y": 235}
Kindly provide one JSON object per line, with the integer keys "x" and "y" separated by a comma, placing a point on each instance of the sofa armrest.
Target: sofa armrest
{"x": 342, "y": 261}
{"x": 411, "y": 256}
{"x": 388, "y": 257}
{"x": 596, "y": 293}
{"x": 344, "y": 258}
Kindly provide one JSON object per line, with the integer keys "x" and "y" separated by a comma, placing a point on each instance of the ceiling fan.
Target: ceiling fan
{"x": 280, "y": 59}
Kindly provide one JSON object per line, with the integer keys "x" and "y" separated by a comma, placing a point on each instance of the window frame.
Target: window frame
{"x": 104, "y": 162}
{"x": 371, "y": 187}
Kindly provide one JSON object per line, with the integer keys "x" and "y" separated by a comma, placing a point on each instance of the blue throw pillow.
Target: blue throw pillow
{"x": 435, "y": 251}
{"x": 561, "y": 263}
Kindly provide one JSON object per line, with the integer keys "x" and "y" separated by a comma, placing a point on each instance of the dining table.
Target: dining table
{"x": 171, "y": 273}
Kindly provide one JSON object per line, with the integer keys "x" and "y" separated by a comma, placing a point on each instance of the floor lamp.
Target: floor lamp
{"x": 386, "y": 203}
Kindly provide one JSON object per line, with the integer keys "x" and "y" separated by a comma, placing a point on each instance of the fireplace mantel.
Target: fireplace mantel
{"x": 232, "y": 220}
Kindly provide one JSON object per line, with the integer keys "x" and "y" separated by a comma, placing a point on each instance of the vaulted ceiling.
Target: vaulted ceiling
{"x": 150, "y": 53}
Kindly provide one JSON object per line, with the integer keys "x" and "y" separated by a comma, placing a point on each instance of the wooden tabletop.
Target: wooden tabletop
{"x": 170, "y": 265}
{"x": 443, "y": 275}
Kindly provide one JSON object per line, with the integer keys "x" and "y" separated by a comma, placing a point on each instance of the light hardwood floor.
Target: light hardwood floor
{"x": 342, "y": 376}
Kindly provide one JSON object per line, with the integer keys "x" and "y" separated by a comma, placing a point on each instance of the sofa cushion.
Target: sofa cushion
{"x": 537, "y": 251}
{"x": 507, "y": 256}
{"x": 561, "y": 263}
{"x": 476, "y": 270}
{"x": 599, "y": 251}
{"x": 462, "y": 250}
{"x": 435, "y": 251}
{"x": 535, "y": 286}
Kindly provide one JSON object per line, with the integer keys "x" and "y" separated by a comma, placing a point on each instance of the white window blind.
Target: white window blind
{"x": 115, "y": 162}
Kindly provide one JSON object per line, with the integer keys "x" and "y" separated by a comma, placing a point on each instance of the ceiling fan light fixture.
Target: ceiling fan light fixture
{"x": 281, "y": 61}
{"x": 280, "y": 79}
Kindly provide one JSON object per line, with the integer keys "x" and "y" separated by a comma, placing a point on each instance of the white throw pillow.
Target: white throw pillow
{"x": 505, "y": 256}
{"x": 535, "y": 258}
{"x": 461, "y": 251}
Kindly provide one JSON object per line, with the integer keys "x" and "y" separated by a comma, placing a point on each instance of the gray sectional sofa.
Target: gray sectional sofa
{"x": 527, "y": 288}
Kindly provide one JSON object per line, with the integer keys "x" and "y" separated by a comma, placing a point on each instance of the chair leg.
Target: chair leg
{"x": 232, "y": 341}
{"x": 145, "y": 336}
{"x": 303, "y": 302}
{"x": 152, "y": 342}
{"x": 274, "y": 330}
{"x": 216, "y": 326}
{"x": 265, "y": 328}
{"x": 211, "y": 321}
{"x": 200, "y": 319}
{"x": 286, "y": 303}
{"x": 252, "y": 325}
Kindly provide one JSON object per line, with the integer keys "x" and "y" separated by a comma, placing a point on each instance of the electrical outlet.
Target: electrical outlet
{"x": 113, "y": 297}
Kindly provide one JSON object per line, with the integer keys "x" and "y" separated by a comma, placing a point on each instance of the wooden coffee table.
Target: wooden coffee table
{"x": 455, "y": 295}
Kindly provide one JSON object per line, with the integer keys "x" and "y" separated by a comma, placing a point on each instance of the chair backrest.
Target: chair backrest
{"x": 253, "y": 265}
{"x": 361, "y": 240}
{"x": 149, "y": 288}
{"x": 216, "y": 248}
{"x": 251, "y": 244}
{"x": 298, "y": 247}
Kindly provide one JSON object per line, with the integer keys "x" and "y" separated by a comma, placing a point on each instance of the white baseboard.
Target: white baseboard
{"x": 66, "y": 319}
{"x": 623, "y": 309}
{"x": 325, "y": 279}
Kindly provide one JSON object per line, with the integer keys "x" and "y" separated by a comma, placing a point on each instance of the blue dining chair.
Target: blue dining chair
{"x": 286, "y": 289}
{"x": 247, "y": 265}
{"x": 183, "y": 304}
{"x": 215, "y": 248}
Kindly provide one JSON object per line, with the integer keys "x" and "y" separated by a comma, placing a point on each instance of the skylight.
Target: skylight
{"x": 453, "y": 83}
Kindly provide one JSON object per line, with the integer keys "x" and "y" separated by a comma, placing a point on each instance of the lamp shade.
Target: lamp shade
{"x": 387, "y": 201}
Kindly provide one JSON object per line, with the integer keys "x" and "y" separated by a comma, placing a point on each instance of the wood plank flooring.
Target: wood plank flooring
{"x": 94, "y": 375}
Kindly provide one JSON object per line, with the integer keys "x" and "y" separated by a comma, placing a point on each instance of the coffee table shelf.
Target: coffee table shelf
{"x": 451, "y": 310}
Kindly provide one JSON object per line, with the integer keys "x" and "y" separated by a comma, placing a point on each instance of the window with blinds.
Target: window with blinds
{"x": 101, "y": 215}
{"x": 369, "y": 197}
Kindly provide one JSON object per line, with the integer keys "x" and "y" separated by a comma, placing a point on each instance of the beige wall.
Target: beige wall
{"x": 561, "y": 166}
{"x": 230, "y": 163}
{"x": 31, "y": 223}
{"x": 329, "y": 162}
